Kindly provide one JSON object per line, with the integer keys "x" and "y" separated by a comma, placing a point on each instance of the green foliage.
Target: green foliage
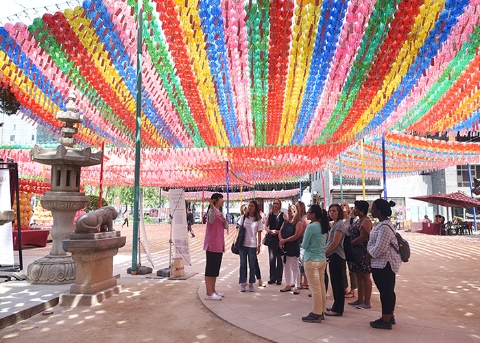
{"x": 151, "y": 195}
{"x": 93, "y": 203}
{"x": 150, "y": 220}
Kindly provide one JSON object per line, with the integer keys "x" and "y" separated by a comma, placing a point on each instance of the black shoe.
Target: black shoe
{"x": 392, "y": 320}
{"x": 193, "y": 236}
{"x": 380, "y": 324}
{"x": 279, "y": 283}
{"x": 271, "y": 282}
{"x": 312, "y": 318}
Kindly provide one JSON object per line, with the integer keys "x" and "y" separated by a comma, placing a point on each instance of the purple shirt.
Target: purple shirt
{"x": 214, "y": 234}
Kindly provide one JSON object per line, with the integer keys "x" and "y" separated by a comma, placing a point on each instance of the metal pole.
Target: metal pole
{"x": 203, "y": 203}
{"x": 19, "y": 225}
{"x": 363, "y": 171}
{"x": 300, "y": 182}
{"x": 324, "y": 191}
{"x": 471, "y": 194}
{"x": 341, "y": 177}
{"x": 228, "y": 193}
{"x": 101, "y": 177}
{"x": 137, "y": 140}
{"x": 384, "y": 164}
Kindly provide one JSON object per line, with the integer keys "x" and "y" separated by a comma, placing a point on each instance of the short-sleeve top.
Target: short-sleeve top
{"x": 252, "y": 227}
{"x": 338, "y": 226}
{"x": 314, "y": 243}
{"x": 214, "y": 234}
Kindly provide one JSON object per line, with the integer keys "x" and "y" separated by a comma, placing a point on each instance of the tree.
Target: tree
{"x": 8, "y": 102}
{"x": 93, "y": 203}
{"x": 151, "y": 195}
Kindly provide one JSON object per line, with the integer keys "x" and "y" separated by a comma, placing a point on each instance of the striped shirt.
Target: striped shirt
{"x": 380, "y": 249}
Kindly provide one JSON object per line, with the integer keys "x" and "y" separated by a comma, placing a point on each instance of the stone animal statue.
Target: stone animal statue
{"x": 476, "y": 186}
{"x": 101, "y": 218}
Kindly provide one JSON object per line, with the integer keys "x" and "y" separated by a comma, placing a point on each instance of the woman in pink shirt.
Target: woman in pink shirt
{"x": 214, "y": 245}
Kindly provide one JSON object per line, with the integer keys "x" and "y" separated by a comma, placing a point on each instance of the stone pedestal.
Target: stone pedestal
{"x": 93, "y": 254}
{"x": 64, "y": 198}
{"x": 58, "y": 267}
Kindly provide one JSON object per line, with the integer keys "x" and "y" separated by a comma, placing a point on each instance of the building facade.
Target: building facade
{"x": 16, "y": 131}
{"x": 327, "y": 189}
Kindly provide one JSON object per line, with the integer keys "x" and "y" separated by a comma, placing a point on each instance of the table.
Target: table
{"x": 431, "y": 228}
{"x": 31, "y": 237}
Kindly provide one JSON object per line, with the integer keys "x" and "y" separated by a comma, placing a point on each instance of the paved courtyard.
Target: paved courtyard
{"x": 438, "y": 300}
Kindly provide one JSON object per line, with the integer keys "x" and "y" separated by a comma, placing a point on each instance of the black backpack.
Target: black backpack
{"x": 403, "y": 247}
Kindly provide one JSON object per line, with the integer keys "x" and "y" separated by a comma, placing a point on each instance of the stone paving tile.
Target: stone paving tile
{"x": 277, "y": 316}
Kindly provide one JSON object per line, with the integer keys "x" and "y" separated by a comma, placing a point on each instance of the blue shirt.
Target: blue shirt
{"x": 314, "y": 243}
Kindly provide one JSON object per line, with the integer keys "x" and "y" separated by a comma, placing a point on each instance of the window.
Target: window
{"x": 33, "y": 137}
{"x": 462, "y": 174}
{"x": 14, "y": 127}
{"x": 12, "y": 138}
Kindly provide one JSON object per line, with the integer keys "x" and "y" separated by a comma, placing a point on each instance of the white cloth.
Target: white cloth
{"x": 291, "y": 267}
{"x": 252, "y": 228}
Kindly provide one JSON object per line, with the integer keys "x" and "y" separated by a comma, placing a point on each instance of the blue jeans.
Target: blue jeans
{"x": 251, "y": 254}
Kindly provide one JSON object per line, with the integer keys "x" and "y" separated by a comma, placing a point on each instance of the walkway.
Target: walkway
{"x": 438, "y": 296}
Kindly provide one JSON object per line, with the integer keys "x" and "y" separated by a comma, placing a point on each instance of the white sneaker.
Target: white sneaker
{"x": 220, "y": 294}
{"x": 213, "y": 297}
{"x": 250, "y": 288}
{"x": 242, "y": 287}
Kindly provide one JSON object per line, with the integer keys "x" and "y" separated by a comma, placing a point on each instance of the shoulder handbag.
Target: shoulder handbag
{"x": 350, "y": 254}
{"x": 353, "y": 253}
{"x": 268, "y": 237}
{"x": 238, "y": 242}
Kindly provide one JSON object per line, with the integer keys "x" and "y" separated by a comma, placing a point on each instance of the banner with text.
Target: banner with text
{"x": 6, "y": 239}
{"x": 178, "y": 214}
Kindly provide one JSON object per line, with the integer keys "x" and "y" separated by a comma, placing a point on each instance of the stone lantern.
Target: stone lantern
{"x": 64, "y": 198}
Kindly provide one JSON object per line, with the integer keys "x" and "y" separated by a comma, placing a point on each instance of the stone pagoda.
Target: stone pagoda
{"x": 64, "y": 198}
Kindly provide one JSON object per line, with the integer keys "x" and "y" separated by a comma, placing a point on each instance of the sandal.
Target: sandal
{"x": 302, "y": 286}
{"x": 286, "y": 289}
{"x": 350, "y": 294}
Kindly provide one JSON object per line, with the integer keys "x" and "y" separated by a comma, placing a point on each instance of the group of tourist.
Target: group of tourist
{"x": 300, "y": 246}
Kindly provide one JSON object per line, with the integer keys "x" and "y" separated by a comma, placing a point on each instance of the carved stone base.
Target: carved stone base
{"x": 74, "y": 300}
{"x": 52, "y": 270}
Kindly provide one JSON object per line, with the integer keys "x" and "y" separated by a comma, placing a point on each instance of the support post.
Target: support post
{"x": 341, "y": 177}
{"x": 137, "y": 140}
{"x": 471, "y": 194}
{"x": 101, "y": 178}
{"x": 363, "y": 171}
{"x": 384, "y": 165}
{"x": 227, "y": 179}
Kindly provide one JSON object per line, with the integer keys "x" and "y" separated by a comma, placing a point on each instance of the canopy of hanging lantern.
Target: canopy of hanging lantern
{"x": 276, "y": 88}
{"x": 195, "y": 167}
{"x": 243, "y": 196}
{"x": 405, "y": 155}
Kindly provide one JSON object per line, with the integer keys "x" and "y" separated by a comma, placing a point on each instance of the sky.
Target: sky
{"x": 25, "y": 11}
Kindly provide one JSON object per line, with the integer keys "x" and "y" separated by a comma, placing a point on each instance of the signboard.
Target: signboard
{"x": 6, "y": 239}
{"x": 178, "y": 214}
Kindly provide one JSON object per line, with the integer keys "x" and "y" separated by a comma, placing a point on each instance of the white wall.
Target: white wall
{"x": 411, "y": 186}
{"x": 16, "y": 131}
